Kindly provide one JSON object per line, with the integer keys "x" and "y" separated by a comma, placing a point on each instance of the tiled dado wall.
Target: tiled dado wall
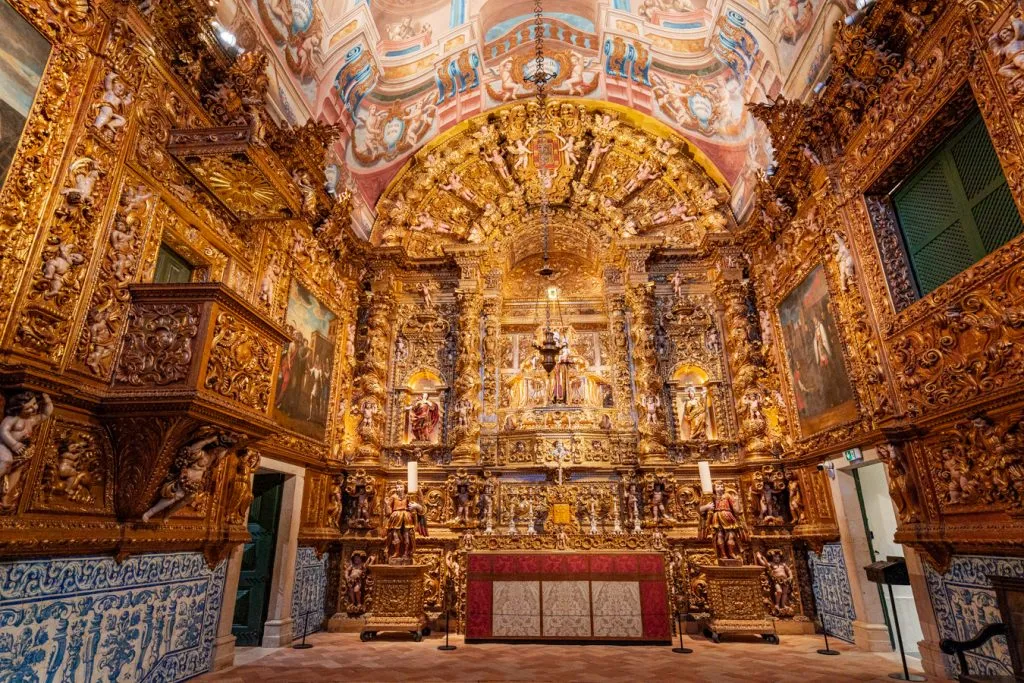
{"x": 832, "y": 595}
{"x": 964, "y": 602}
{"x": 151, "y": 617}
{"x": 309, "y": 592}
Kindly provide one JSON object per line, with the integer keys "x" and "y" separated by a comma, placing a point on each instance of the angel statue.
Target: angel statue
{"x": 406, "y": 518}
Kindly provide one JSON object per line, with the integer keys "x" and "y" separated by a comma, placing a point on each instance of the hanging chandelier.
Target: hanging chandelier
{"x": 552, "y": 344}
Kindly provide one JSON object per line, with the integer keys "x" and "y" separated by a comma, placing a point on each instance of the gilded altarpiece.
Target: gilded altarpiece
{"x": 936, "y": 377}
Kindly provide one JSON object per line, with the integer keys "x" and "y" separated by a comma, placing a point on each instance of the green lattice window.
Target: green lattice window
{"x": 956, "y": 207}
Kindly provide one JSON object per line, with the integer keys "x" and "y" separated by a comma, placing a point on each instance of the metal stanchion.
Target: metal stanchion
{"x": 447, "y": 619}
{"x": 827, "y": 650}
{"x": 303, "y": 645}
{"x": 904, "y": 675}
{"x": 682, "y": 649}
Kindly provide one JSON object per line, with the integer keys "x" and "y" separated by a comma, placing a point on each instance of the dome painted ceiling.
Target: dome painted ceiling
{"x": 398, "y": 73}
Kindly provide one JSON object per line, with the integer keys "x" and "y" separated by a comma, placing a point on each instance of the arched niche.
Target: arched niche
{"x": 422, "y": 398}
{"x": 692, "y": 391}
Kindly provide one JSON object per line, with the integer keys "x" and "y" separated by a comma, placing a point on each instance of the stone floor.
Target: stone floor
{"x": 342, "y": 657}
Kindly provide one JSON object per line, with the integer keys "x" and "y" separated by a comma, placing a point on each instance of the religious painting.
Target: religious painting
{"x": 304, "y": 380}
{"x": 23, "y": 54}
{"x": 824, "y": 395}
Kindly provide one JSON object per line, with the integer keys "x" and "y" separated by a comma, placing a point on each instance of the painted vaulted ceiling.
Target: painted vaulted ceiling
{"x": 397, "y": 73}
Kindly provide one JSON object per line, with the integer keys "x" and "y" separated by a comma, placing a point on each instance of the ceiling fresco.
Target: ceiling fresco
{"x": 395, "y": 74}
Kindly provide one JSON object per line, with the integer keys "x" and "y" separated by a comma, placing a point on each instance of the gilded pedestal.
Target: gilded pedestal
{"x": 736, "y": 603}
{"x": 397, "y": 601}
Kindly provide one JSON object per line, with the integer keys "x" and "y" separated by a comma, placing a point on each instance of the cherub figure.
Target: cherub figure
{"x": 58, "y": 265}
{"x": 522, "y": 153}
{"x": 72, "y": 474}
{"x": 367, "y": 411}
{"x": 644, "y": 173}
{"x": 651, "y": 406}
{"x": 597, "y": 152}
{"x": 659, "y": 504}
{"x": 847, "y": 269}
{"x": 1008, "y": 45}
{"x": 677, "y": 213}
{"x": 268, "y": 281}
{"x": 678, "y": 280}
{"x": 569, "y": 149}
{"x": 796, "y": 503}
{"x": 84, "y": 173}
{"x": 22, "y": 414}
{"x": 459, "y": 188}
{"x": 122, "y": 255}
{"x": 191, "y": 469}
{"x": 101, "y": 336}
{"x": 462, "y": 410}
{"x": 499, "y": 165}
{"x": 110, "y": 117}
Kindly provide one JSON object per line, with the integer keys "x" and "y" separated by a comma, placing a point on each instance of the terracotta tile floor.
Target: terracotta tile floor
{"x": 342, "y": 657}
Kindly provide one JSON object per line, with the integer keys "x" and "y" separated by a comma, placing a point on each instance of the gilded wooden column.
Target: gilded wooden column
{"x": 746, "y": 364}
{"x": 650, "y": 408}
{"x": 371, "y": 371}
{"x": 491, "y": 346}
{"x": 616, "y": 302}
{"x": 466, "y": 425}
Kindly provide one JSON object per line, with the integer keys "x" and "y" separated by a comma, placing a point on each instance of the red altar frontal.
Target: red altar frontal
{"x": 567, "y": 596}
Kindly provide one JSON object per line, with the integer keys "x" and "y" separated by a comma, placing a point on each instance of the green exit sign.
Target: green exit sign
{"x": 853, "y": 455}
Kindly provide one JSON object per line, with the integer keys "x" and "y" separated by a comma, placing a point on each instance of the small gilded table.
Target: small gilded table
{"x": 397, "y": 601}
{"x": 736, "y": 602}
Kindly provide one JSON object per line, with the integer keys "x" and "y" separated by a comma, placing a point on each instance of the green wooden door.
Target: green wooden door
{"x": 258, "y": 560}
{"x": 171, "y": 267}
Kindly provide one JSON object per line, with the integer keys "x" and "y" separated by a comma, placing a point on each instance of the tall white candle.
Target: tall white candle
{"x": 412, "y": 480}
{"x": 705, "y": 476}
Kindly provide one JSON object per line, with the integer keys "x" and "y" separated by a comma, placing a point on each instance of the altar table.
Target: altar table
{"x": 567, "y": 597}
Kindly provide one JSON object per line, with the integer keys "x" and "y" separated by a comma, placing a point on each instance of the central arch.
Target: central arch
{"x": 607, "y": 171}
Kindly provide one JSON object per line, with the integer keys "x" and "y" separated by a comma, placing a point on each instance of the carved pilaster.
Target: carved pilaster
{"x": 650, "y": 406}
{"x": 370, "y": 383}
{"x": 491, "y": 353}
{"x": 746, "y": 364}
{"x": 466, "y": 436}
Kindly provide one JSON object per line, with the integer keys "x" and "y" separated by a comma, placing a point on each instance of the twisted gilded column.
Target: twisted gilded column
{"x": 650, "y": 408}
{"x": 371, "y": 371}
{"x": 466, "y": 432}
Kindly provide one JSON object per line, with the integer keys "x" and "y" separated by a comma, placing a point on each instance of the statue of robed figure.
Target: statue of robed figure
{"x": 406, "y": 518}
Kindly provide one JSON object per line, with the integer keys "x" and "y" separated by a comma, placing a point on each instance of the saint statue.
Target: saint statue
{"x": 406, "y": 518}
{"x": 560, "y": 375}
{"x": 424, "y": 419}
{"x": 720, "y": 519}
{"x": 695, "y": 414}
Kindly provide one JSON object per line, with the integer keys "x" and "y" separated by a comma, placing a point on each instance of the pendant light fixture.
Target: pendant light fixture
{"x": 551, "y": 346}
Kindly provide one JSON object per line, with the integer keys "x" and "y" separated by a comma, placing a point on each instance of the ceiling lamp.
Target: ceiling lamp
{"x": 552, "y": 344}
